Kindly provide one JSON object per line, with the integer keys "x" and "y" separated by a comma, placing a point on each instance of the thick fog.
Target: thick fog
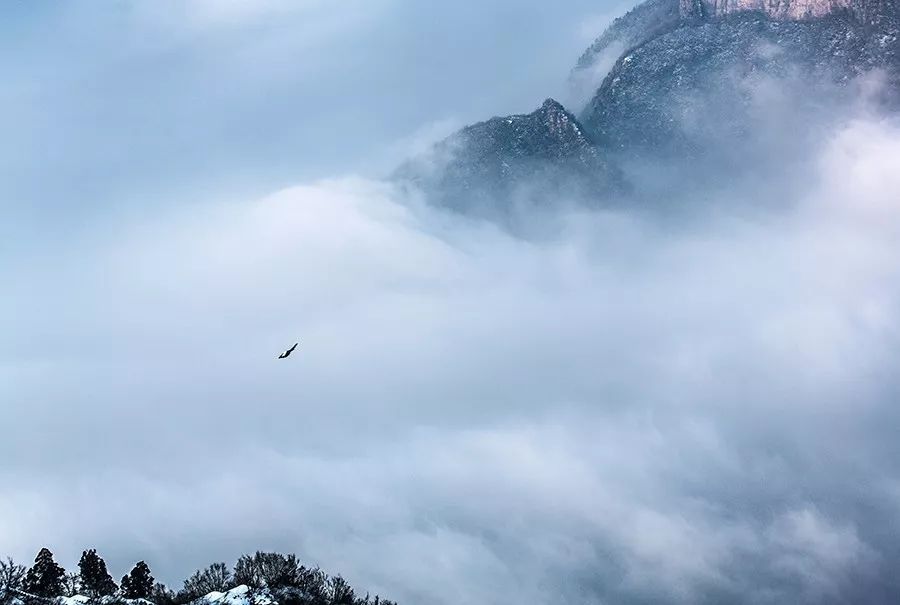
{"x": 622, "y": 412}
{"x": 628, "y": 409}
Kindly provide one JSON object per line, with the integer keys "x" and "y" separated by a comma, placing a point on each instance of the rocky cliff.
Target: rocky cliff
{"x": 865, "y": 11}
{"x": 653, "y": 18}
{"x": 731, "y": 87}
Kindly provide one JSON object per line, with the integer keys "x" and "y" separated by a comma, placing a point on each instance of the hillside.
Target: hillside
{"x": 264, "y": 578}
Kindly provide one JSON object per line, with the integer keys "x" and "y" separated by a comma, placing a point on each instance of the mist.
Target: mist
{"x": 623, "y": 410}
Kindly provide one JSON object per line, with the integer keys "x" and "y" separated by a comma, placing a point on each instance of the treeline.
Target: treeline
{"x": 281, "y": 576}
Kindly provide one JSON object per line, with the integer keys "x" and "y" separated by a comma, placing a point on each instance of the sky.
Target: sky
{"x": 626, "y": 411}
{"x": 146, "y": 102}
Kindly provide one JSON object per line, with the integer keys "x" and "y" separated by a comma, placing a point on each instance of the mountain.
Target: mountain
{"x": 713, "y": 87}
{"x": 642, "y": 23}
{"x": 731, "y": 78}
{"x": 521, "y": 156}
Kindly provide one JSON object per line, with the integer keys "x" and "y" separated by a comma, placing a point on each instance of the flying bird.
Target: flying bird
{"x": 289, "y": 351}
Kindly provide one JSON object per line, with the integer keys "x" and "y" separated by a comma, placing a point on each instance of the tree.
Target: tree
{"x": 339, "y": 592}
{"x": 11, "y": 575}
{"x": 216, "y": 577}
{"x": 267, "y": 569}
{"x": 160, "y": 594}
{"x": 71, "y": 584}
{"x": 139, "y": 583}
{"x": 45, "y": 578}
{"x": 246, "y": 572}
{"x": 95, "y": 579}
{"x": 312, "y": 583}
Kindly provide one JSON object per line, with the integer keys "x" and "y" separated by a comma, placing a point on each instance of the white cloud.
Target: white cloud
{"x": 621, "y": 411}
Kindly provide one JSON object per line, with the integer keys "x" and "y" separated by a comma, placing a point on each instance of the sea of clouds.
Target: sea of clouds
{"x": 624, "y": 410}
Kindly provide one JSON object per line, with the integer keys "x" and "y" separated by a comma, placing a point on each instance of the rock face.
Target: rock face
{"x": 865, "y": 11}
{"x": 517, "y": 155}
{"x": 734, "y": 79}
{"x": 742, "y": 92}
{"x": 653, "y": 18}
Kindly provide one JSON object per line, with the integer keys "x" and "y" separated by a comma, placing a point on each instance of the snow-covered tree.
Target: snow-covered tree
{"x": 162, "y": 595}
{"x": 138, "y": 584}
{"x": 95, "y": 579}
{"x": 216, "y": 577}
{"x": 11, "y": 575}
{"x": 267, "y": 569}
{"x": 71, "y": 584}
{"x": 46, "y": 577}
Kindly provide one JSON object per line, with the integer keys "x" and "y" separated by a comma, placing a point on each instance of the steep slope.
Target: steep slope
{"x": 644, "y": 22}
{"x": 727, "y": 85}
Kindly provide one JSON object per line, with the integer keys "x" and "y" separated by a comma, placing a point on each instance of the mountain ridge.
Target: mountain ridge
{"x": 717, "y": 83}
{"x": 545, "y": 149}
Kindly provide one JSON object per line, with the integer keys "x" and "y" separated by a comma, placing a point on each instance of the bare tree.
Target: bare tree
{"x": 11, "y": 575}
{"x": 339, "y": 592}
{"x": 216, "y": 577}
{"x": 71, "y": 584}
{"x": 267, "y": 569}
{"x": 162, "y": 595}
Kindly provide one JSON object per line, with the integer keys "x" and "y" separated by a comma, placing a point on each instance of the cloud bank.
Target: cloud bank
{"x": 629, "y": 410}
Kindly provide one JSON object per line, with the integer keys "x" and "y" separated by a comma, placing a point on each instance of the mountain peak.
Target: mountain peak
{"x": 491, "y": 162}
{"x": 551, "y": 105}
{"x": 558, "y": 122}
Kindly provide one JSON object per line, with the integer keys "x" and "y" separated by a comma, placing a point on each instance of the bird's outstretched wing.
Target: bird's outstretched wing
{"x": 289, "y": 351}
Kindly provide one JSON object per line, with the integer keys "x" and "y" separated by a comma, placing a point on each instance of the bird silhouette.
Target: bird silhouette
{"x": 289, "y": 351}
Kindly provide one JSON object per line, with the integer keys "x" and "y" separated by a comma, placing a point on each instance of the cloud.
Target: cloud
{"x": 237, "y": 11}
{"x": 623, "y": 411}
{"x": 223, "y": 15}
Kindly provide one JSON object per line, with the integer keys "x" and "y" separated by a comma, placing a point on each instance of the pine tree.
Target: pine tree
{"x": 95, "y": 579}
{"x": 139, "y": 583}
{"x": 45, "y": 578}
